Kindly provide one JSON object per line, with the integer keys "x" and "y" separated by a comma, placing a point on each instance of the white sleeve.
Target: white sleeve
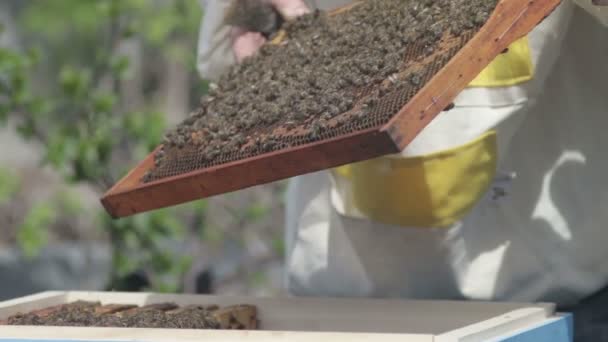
{"x": 214, "y": 54}
{"x": 599, "y": 12}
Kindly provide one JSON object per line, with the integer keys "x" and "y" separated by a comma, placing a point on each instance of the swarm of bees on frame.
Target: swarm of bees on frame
{"x": 330, "y": 72}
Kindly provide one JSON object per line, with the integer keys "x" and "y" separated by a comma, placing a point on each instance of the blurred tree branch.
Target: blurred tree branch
{"x": 65, "y": 93}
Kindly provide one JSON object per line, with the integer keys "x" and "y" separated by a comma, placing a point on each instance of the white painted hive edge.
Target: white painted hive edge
{"x": 498, "y": 326}
{"x": 36, "y": 297}
{"x": 165, "y": 335}
{"x": 31, "y": 302}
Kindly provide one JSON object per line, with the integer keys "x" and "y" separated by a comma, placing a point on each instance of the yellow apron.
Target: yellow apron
{"x": 438, "y": 189}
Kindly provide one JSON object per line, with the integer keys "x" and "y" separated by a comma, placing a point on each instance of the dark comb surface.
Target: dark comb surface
{"x": 333, "y": 76}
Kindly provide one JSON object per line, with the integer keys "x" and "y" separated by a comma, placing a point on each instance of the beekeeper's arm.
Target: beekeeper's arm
{"x": 597, "y": 8}
{"x": 214, "y": 43}
{"x": 220, "y": 45}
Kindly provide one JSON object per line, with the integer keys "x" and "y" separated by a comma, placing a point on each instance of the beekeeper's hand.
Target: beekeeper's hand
{"x": 245, "y": 43}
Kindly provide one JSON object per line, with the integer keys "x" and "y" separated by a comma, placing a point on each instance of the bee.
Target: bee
{"x": 147, "y": 177}
{"x": 180, "y": 142}
{"x": 269, "y": 145}
{"x": 239, "y": 139}
{"x": 289, "y": 124}
{"x": 415, "y": 79}
{"x": 393, "y": 78}
{"x": 315, "y": 130}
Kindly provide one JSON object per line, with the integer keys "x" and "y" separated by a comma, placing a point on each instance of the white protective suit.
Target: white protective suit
{"x": 505, "y": 197}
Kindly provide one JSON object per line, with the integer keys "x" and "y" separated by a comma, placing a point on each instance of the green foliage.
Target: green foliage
{"x": 172, "y": 21}
{"x": 257, "y": 279}
{"x": 9, "y": 185}
{"x": 278, "y": 245}
{"x": 14, "y": 89}
{"x": 32, "y": 235}
{"x": 71, "y": 101}
{"x": 148, "y": 126}
{"x": 68, "y": 202}
{"x": 256, "y": 212}
{"x": 141, "y": 242}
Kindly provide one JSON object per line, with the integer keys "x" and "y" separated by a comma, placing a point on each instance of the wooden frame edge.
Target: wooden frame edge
{"x": 493, "y": 38}
{"x": 207, "y": 182}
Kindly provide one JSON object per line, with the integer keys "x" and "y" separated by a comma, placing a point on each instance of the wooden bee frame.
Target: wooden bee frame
{"x": 511, "y": 20}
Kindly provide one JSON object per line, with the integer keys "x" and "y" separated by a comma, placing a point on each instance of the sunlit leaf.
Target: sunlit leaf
{"x": 33, "y": 233}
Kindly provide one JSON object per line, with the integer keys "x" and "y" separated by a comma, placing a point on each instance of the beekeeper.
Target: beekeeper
{"x": 505, "y": 197}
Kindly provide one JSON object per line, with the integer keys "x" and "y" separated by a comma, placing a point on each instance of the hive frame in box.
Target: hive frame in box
{"x": 511, "y": 20}
{"x": 310, "y": 319}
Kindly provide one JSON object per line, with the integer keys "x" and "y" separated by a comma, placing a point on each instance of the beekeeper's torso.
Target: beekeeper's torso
{"x": 505, "y": 197}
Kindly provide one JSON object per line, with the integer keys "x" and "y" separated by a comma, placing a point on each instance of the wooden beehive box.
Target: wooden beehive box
{"x": 311, "y": 319}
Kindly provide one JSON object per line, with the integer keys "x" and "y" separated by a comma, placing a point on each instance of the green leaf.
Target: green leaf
{"x": 4, "y": 111}
{"x": 18, "y": 82}
{"x": 166, "y": 224}
{"x": 131, "y": 240}
{"x": 258, "y": 279}
{"x": 183, "y": 264}
{"x": 34, "y": 54}
{"x": 164, "y": 287}
{"x": 9, "y": 185}
{"x": 33, "y": 233}
{"x": 200, "y": 205}
{"x": 158, "y": 31}
{"x": 122, "y": 264}
{"x": 11, "y": 61}
{"x": 69, "y": 202}
{"x": 104, "y": 102}
{"x": 145, "y": 127}
{"x": 38, "y": 106}
{"x": 161, "y": 262}
{"x": 48, "y": 18}
{"x": 129, "y": 30}
{"x": 120, "y": 66}
{"x": 86, "y": 166}
{"x": 256, "y": 212}
{"x": 212, "y": 234}
{"x": 25, "y": 129}
{"x": 74, "y": 82}
{"x": 56, "y": 149}
{"x": 61, "y": 152}
{"x": 278, "y": 245}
